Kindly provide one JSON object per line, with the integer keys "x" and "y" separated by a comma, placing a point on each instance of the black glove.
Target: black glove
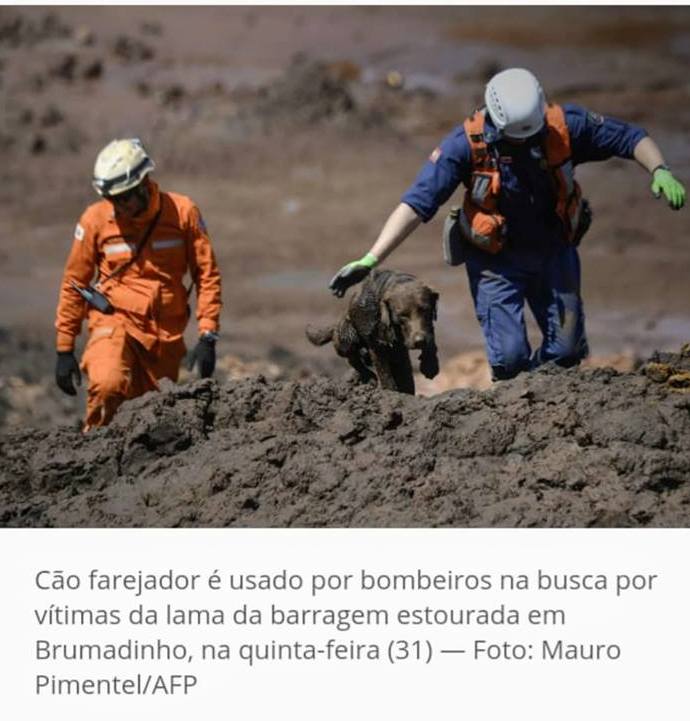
{"x": 204, "y": 354}
{"x": 351, "y": 274}
{"x": 66, "y": 372}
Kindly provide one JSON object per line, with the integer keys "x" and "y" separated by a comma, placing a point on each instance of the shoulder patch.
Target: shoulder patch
{"x": 79, "y": 232}
{"x": 435, "y": 155}
{"x": 596, "y": 118}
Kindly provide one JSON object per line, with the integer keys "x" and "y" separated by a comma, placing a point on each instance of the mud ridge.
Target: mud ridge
{"x": 552, "y": 448}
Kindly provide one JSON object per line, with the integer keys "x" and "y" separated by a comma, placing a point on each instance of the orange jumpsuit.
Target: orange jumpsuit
{"x": 129, "y": 351}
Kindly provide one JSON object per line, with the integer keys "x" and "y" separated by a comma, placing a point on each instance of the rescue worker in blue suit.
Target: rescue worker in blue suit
{"x": 523, "y": 214}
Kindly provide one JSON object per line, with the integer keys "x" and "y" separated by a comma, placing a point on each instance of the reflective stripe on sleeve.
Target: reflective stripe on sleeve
{"x": 118, "y": 248}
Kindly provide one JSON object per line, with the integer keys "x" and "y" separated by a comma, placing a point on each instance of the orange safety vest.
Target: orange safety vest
{"x": 482, "y": 224}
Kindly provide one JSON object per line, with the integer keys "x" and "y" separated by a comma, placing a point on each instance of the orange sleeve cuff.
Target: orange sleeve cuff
{"x": 206, "y": 324}
{"x": 64, "y": 342}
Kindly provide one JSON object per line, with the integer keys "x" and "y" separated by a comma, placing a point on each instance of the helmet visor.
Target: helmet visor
{"x": 108, "y": 187}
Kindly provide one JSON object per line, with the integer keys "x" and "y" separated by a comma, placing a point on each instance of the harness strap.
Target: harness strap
{"x": 474, "y": 130}
{"x": 557, "y": 144}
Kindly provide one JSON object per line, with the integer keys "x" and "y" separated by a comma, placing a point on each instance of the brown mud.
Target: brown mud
{"x": 552, "y": 448}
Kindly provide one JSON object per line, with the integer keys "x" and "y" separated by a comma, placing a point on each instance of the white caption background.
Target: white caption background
{"x": 650, "y": 626}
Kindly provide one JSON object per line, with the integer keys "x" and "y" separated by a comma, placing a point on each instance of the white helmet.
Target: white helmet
{"x": 515, "y": 102}
{"x": 121, "y": 165}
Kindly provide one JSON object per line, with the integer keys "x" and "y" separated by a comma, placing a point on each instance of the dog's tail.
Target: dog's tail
{"x": 319, "y": 336}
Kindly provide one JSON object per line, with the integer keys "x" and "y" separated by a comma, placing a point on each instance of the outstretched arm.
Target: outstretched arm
{"x": 401, "y": 222}
{"x": 448, "y": 165}
{"x": 649, "y": 156}
{"x": 595, "y": 137}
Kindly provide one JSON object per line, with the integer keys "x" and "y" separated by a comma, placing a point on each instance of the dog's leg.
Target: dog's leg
{"x": 357, "y": 362}
{"x": 347, "y": 344}
{"x": 428, "y": 361}
{"x": 401, "y": 368}
{"x": 381, "y": 357}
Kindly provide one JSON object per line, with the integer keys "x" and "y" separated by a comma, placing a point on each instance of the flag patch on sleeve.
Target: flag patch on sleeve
{"x": 79, "y": 232}
{"x": 435, "y": 155}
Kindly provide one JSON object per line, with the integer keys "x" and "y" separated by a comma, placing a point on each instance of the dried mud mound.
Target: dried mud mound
{"x": 551, "y": 448}
{"x": 309, "y": 93}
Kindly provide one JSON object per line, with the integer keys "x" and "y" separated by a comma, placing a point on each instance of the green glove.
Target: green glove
{"x": 664, "y": 182}
{"x": 352, "y": 273}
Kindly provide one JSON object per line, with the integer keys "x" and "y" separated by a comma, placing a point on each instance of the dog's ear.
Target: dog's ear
{"x": 434, "y": 304}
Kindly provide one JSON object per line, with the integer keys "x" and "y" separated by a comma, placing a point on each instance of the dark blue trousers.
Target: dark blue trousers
{"x": 550, "y": 284}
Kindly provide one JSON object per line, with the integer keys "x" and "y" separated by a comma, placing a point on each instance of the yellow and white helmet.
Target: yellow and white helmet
{"x": 121, "y": 165}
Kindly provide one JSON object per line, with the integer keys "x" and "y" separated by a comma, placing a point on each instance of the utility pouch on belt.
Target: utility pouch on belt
{"x": 486, "y": 230}
{"x": 95, "y": 298}
{"x": 135, "y": 296}
{"x": 584, "y": 221}
{"x": 453, "y": 243}
{"x": 137, "y": 300}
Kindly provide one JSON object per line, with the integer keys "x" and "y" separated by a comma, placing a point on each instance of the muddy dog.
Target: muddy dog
{"x": 390, "y": 314}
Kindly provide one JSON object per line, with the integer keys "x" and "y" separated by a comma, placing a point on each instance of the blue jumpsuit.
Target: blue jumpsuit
{"x": 536, "y": 265}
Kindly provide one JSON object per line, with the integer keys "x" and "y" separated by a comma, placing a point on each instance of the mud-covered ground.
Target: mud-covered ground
{"x": 551, "y": 448}
{"x": 296, "y": 130}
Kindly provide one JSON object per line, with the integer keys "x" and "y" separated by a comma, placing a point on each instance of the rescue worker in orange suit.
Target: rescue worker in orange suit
{"x": 125, "y": 274}
{"x": 523, "y": 214}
